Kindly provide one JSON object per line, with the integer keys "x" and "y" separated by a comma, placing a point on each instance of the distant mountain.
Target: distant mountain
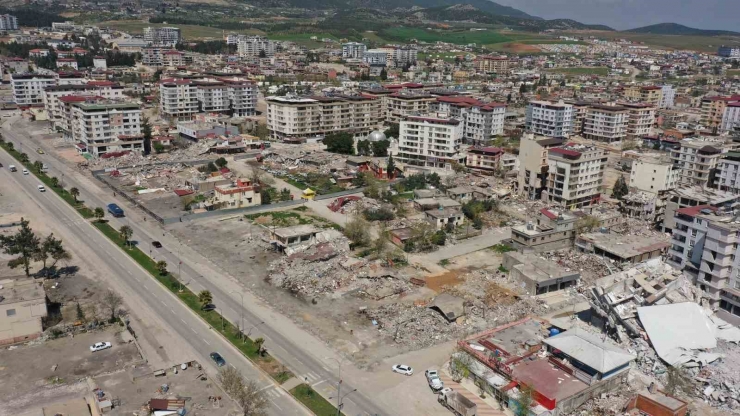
{"x": 676, "y": 29}
{"x": 484, "y": 5}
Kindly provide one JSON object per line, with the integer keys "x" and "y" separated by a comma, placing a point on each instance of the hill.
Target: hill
{"x": 676, "y": 29}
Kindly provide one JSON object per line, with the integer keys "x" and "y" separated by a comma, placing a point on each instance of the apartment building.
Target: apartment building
{"x": 492, "y": 64}
{"x": 580, "y": 109}
{"x": 104, "y": 126}
{"x": 549, "y": 119}
{"x": 8, "y": 22}
{"x": 730, "y": 117}
{"x": 52, "y": 105}
{"x": 481, "y": 120}
{"x": 728, "y": 169}
{"x": 405, "y": 56}
{"x": 250, "y": 46}
{"x": 654, "y": 176}
{"x": 353, "y": 50}
{"x": 238, "y": 194}
{"x": 173, "y": 58}
{"x": 232, "y": 95}
{"x": 376, "y": 57}
{"x": 317, "y": 116}
{"x": 533, "y": 165}
{"x": 697, "y": 161}
{"x": 606, "y": 123}
{"x": 668, "y": 96}
{"x": 575, "y": 174}
{"x": 28, "y": 89}
{"x": 691, "y": 196}
{"x": 713, "y": 109}
{"x": 485, "y": 160}
{"x": 407, "y": 103}
{"x": 178, "y": 99}
{"x": 640, "y": 121}
{"x": 22, "y": 309}
{"x": 728, "y": 51}
{"x": 162, "y": 36}
{"x": 431, "y": 141}
{"x": 652, "y": 95}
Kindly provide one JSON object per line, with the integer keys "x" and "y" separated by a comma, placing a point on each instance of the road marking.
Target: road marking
{"x": 162, "y": 302}
{"x": 317, "y": 383}
{"x": 183, "y": 321}
{"x": 279, "y": 408}
{"x": 193, "y": 330}
{"x": 172, "y": 310}
{"x": 204, "y": 340}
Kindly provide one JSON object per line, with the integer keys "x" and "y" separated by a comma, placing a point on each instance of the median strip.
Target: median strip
{"x": 249, "y": 348}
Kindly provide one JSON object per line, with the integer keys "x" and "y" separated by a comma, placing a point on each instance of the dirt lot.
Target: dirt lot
{"x": 40, "y": 373}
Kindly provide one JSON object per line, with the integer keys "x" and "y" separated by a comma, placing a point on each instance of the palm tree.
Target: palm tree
{"x": 125, "y": 232}
{"x": 54, "y": 182}
{"x": 75, "y": 193}
{"x": 162, "y": 267}
{"x": 37, "y": 166}
{"x": 99, "y": 213}
{"x": 205, "y": 297}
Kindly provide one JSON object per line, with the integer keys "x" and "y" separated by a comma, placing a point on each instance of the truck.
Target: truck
{"x": 459, "y": 404}
{"x": 115, "y": 210}
{"x": 12, "y": 168}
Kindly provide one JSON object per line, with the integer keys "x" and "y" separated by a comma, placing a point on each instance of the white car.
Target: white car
{"x": 99, "y": 346}
{"x": 445, "y": 390}
{"x": 433, "y": 379}
{"x": 41, "y": 188}
{"x": 403, "y": 369}
{"x": 25, "y": 171}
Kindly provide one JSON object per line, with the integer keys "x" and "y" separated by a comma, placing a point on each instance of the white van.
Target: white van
{"x": 41, "y": 188}
{"x": 12, "y": 168}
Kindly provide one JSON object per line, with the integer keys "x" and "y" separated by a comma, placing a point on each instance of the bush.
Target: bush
{"x": 439, "y": 238}
{"x": 380, "y": 214}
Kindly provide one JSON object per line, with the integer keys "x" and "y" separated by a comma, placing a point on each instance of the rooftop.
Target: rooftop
{"x": 625, "y": 246}
{"x": 704, "y": 195}
{"x": 547, "y": 379}
{"x": 296, "y": 230}
{"x": 538, "y": 269}
{"x": 20, "y": 290}
{"x": 590, "y": 350}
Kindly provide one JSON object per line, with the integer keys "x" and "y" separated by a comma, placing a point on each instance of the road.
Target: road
{"x": 306, "y": 356}
{"x": 135, "y": 280}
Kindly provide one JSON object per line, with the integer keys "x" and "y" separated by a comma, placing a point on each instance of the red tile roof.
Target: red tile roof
{"x": 183, "y": 192}
{"x": 565, "y": 152}
{"x": 692, "y": 211}
{"x": 549, "y": 214}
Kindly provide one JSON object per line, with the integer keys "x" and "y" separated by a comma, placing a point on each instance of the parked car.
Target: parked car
{"x": 208, "y": 307}
{"x": 433, "y": 379}
{"x": 403, "y": 369}
{"x": 25, "y": 171}
{"x": 157, "y": 244}
{"x": 99, "y": 346}
{"x": 41, "y": 188}
{"x": 218, "y": 359}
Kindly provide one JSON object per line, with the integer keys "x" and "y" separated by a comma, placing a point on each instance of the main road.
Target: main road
{"x": 134, "y": 279}
{"x": 307, "y": 357}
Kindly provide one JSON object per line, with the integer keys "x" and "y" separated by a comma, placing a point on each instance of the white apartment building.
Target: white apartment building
{"x": 728, "y": 168}
{"x": 668, "y": 96}
{"x": 575, "y": 174}
{"x": 159, "y": 56}
{"x": 28, "y": 89}
{"x": 697, "y": 161}
{"x": 533, "y": 166}
{"x": 51, "y": 95}
{"x": 376, "y": 57}
{"x": 640, "y": 121}
{"x": 353, "y": 50}
{"x": 99, "y": 62}
{"x": 549, "y": 119}
{"x": 103, "y": 126}
{"x": 69, "y": 63}
{"x": 730, "y": 117}
{"x": 233, "y": 95}
{"x": 407, "y": 103}
{"x": 430, "y": 141}
{"x": 162, "y": 36}
{"x": 405, "y": 55}
{"x": 8, "y": 22}
{"x": 317, "y": 116}
{"x": 481, "y": 120}
{"x": 255, "y": 46}
{"x": 654, "y": 176}
{"x": 606, "y": 123}
{"x": 173, "y": 58}
{"x": 178, "y": 99}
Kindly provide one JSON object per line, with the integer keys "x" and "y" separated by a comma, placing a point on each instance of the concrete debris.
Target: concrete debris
{"x": 195, "y": 151}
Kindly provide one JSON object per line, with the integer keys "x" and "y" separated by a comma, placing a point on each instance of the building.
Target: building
{"x": 22, "y": 308}
{"x": 606, "y": 123}
{"x": 655, "y": 176}
{"x": 69, "y": 63}
{"x": 533, "y": 165}
{"x": 691, "y": 196}
{"x": 538, "y": 276}
{"x": 28, "y": 89}
{"x": 407, "y": 103}
{"x": 492, "y": 64}
{"x": 375, "y": 57}
{"x": 317, "y": 116}
{"x": 730, "y": 117}
{"x": 255, "y": 46}
{"x": 173, "y": 58}
{"x": 652, "y": 95}
{"x": 481, "y": 121}
{"x": 162, "y": 36}
{"x": 549, "y": 119}
{"x": 486, "y": 160}
{"x": 231, "y": 95}
{"x": 575, "y": 175}
{"x": 13, "y": 65}
{"x": 728, "y": 169}
{"x": 445, "y": 217}
{"x": 51, "y": 96}
{"x": 622, "y": 248}
{"x": 178, "y": 99}
{"x": 654, "y": 402}
{"x": 430, "y": 141}
{"x": 697, "y": 161}
{"x": 713, "y": 109}
{"x": 201, "y": 130}
{"x": 238, "y": 194}
{"x": 554, "y": 230}
{"x": 99, "y": 62}
{"x": 728, "y": 51}
{"x": 405, "y": 56}
{"x": 8, "y": 22}
{"x": 104, "y": 126}
{"x": 285, "y": 237}
{"x": 640, "y": 121}
{"x": 130, "y": 45}
{"x": 353, "y": 50}
{"x": 668, "y": 96}
{"x": 580, "y": 109}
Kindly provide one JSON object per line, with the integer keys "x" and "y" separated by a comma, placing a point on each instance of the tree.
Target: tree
{"x": 390, "y": 168}
{"x": 99, "y": 213}
{"x": 221, "y": 162}
{"x": 75, "y": 193}
{"x": 363, "y": 147}
{"x": 285, "y": 194}
{"x": 341, "y": 143}
{"x": 392, "y": 130}
{"x": 421, "y": 234}
{"x": 586, "y": 224}
{"x": 54, "y": 182}
{"x": 38, "y": 166}
{"x": 524, "y": 401}
{"x": 158, "y": 147}
{"x": 24, "y": 243}
{"x": 508, "y": 99}
{"x": 439, "y": 238}
{"x": 259, "y": 342}
{"x": 23, "y": 158}
{"x": 162, "y": 267}
{"x": 247, "y": 394}
{"x": 51, "y": 248}
{"x": 265, "y": 197}
{"x": 458, "y": 167}
{"x": 380, "y": 148}
{"x": 620, "y": 188}
{"x": 261, "y": 131}
{"x": 460, "y": 364}
{"x": 205, "y": 297}
{"x": 112, "y": 301}
{"x": 357, "y": 230}
{"x": 522, "y": 89}
{"x": 383, "y": 74}
{"x": 80, "y": 313}
{"x": 125, "y": 232}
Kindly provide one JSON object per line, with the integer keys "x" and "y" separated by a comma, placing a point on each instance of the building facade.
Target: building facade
{"x": 697, "y": 161}
{"x": 353, "y": 50}
{"x": 162, "y": 36}
{"x": 251, "y": 46}
{"x": 8, "y": 22}
{"x": 104, "y": 126}
{"x": 575, "y": 175}
{"x": 51, "y": 96}
{"x": 376, "y": 57}
{"x": 28, "y": 89}
{"x": 653, "y": 176}
{"x": 486, "y": 160}
{"x": 606, "y": 123}
{"x": 729, "y": 51}
{"x": 178, "y": 99}
{"x": 432, "y": 142}
{"x": 730, "y": 117}
{"x": 549, "y": 119}
{"x": 481, "y": 120}
{"x": 22, "y": 308}
{"x": 640, "y": 121}
{"x": 492, "y": 64}
{"x": 407, "y": 103}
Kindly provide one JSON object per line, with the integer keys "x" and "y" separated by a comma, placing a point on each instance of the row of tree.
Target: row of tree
{"x": 29, "y": 247}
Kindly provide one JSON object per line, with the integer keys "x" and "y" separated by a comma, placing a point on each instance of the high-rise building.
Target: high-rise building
{"x": 606, "y": 123}
{"x": 181, "y": 98}
{"x": 697, "y": 161}
{"x": 713, "y": 109}
{"x": 481, "y": 120}
{"x": 640, "y": 120}
{"x": 668, "y": 95}
{"x": 162, "y": 36}
{"x": 654, "y": 176}
{"x": 730, "y": 116}
{"x": 255, "y": 46}
{"x": 727, "y": 177}
{"x": 375, "y": 57}
{"x": 407, "y": 103}
{"x": 353, "y": 50}
{"x": 575, "y": 174}
{"x": 178, "y": 99}
{"x": 8, "y": 22}
{"x": 729, "y": 51}
{"x": 405, "y": 55}
{"x": 52, "y": 105}
{"x": 488, "y": 63}
{"x": 645, "y": 94}
{"x": 28, "y": 89}
{"x": 430, "y": 141}
{"x": 533, "y": 166}
{"x": 102, "y": 126}
{"x": 550, "y": 119}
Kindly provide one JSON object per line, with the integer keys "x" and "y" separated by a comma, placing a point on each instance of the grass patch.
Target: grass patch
{"x": 302, "y": 208}
{"x": 444, "y": 262}
{"x": 597, "y": 70}
{"x": 460, "y": 37}
{"x": 733, "y": 72}
{"x": 313, "y": 400}
{"x": 188, "y": 31}
{"x": 502, "y": 248}
{"x": 281, "y": 218}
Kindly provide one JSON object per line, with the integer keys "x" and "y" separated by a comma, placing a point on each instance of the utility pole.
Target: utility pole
{"x": 241, "y": 318}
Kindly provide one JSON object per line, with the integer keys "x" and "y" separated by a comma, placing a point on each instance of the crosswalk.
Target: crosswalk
{"x": 71, "y": 222}
{"x": 274, "y": 393}
{"x": 311, "y": 378}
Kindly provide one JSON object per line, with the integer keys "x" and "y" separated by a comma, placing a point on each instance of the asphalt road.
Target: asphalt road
{"x": 298, "y": 354}
{"x": 130, "y": 275}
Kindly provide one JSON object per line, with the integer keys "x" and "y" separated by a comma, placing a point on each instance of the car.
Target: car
{"x": 40, "y": 151}
{"x": 41, "y": 188}
{"x": 445, "y": 390}
{"x": 218, "y": 359}
{"x": 208, "y": 307}
{"x": 99, "y": 346}
{"x": 403, "y": 369}
{"x": 433, "y": 379}
{"x": 157, "y": 244}
{"x": 25, "y": 171}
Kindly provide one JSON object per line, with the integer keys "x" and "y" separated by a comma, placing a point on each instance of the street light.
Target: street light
{"x": 339, "y": 384}
{"x": 341, "y": 401}
{"x": 253, "y": 326}
{"x": 241, "y": 312}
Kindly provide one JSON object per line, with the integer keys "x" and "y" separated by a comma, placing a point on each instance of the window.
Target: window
{"x": 10, "y": 312}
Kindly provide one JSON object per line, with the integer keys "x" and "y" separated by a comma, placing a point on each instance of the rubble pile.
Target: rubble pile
{"x": 636, "y": 227}
{"x": 590, "y": 266}
{"x": 415, "y": 327}
{"x": 196, "y": 151}
{"x": 356, "y": 207}
{"x": 719, "y": 382}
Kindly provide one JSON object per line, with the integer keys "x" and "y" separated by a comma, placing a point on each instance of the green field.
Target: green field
{"x": 303, "y": 38}
{"x": 318, "y": 405}
{"x": 445, "y": 56}
{"x": 188, "y": 31}
{"x": 460, "y": 37}
{"x": 550, "y": 41}
{"x": 733, "y": 73}
{"x": 697, "y": 43}
{"x": 599, "y": 70}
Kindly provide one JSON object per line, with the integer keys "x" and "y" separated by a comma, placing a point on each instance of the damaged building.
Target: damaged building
{"x": 537, "y": 275}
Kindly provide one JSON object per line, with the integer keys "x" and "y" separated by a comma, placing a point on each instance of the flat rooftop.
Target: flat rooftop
{"x": 667, "y": 401}
{"x": 547, "y": 379}
{"x": 296, "y": 230}
{"x": 625, "y": 246}
{"x": 538, "y": 269}
{"x": 704, "y": 195}
{"x": 517, "y": 339}
{"x": 20, "y": 290}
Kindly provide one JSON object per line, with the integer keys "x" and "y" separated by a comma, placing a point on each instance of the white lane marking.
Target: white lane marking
{"x": 172, "y": 310}
{"x": 183, "y": 321}
{"x": 204, "y": 340}
{"x": 276, "y": 405}
{"x": 317, "y": 383}
{"x": 193, "y": 330}
{"x": 162, "y": 302}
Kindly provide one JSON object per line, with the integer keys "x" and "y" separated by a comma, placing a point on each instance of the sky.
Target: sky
{"x": 630, "y": 14}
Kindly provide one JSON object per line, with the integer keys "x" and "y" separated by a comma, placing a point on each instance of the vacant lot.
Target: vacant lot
{"x": 461, "y": 37}
{"x": 697, "y": 43}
